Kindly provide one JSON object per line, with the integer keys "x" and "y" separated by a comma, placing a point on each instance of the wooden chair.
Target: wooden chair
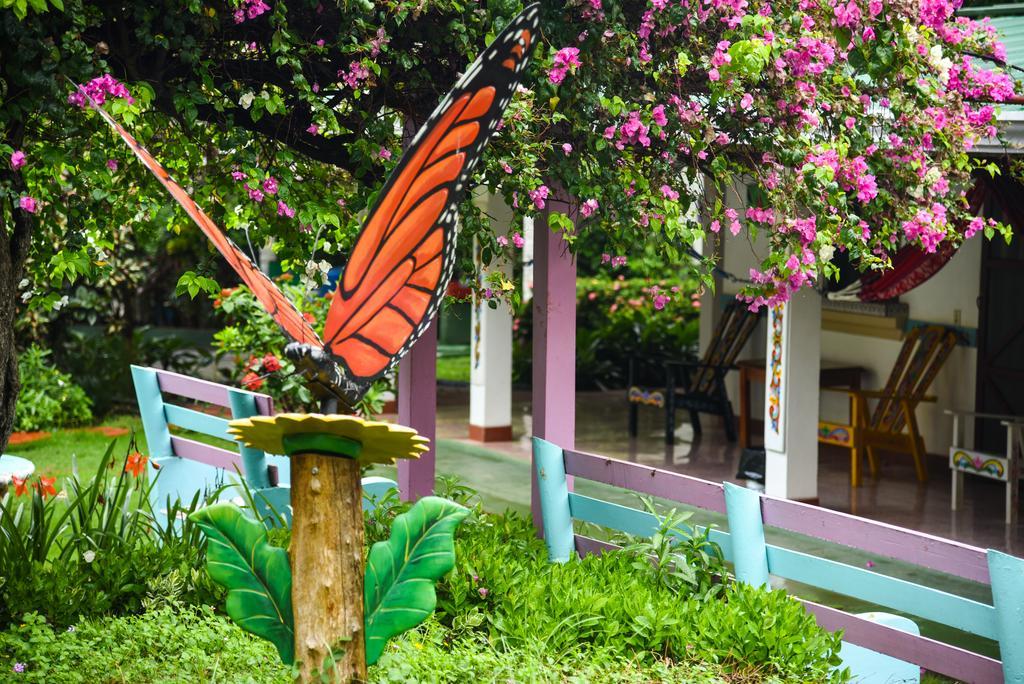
{"x": 696, "y": 386}
{"x": 893, "y": 425}
{"x": 183, "y": 466}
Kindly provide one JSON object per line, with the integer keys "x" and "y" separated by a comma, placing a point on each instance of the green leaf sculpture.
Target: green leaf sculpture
{"x": 256, "y": 574}
{"x": 401, "y": 572}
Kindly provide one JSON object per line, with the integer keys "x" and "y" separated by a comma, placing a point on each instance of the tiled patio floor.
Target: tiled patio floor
{"x": 896, "y": 498}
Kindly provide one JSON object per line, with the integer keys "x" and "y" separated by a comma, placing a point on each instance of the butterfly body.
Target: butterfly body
{"x": 404, "y": 257}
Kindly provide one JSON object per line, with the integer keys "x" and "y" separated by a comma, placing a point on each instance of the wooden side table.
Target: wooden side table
{"x": 833, "y": 374}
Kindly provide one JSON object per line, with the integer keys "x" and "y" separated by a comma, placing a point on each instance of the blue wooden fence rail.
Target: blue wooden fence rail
{"x": 755, "y": 560}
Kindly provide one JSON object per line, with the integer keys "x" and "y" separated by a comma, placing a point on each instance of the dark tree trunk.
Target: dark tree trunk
{"x": 14, "y": 242}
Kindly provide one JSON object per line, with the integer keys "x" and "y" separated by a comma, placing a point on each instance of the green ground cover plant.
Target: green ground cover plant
{"x": 95, "y": 591}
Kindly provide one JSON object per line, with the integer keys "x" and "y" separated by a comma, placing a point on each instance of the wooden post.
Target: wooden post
{"x": 554, "y": 342}
{"x": 327, "y": 566}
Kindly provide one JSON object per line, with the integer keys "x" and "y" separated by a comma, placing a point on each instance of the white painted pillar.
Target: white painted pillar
{"x": 791, "y": 391}
{"x": 528, "y": 258}
{"x": 490, "y": 359}
{"x": 710, "y": 309}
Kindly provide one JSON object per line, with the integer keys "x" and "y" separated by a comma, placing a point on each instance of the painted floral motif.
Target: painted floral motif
{"x": 775, "y": 388}
{"x": 979, "y": 464}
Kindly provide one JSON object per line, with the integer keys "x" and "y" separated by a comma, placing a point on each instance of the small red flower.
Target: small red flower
{"x": 252, "y": 362}
{"x": 271, "y": 363}
{"x": 20, "y": 485}
{"x": 216, "y": 303}
{"x": 227, "y": 292}
{"x": 135, "y": 464}
{"x": 252, "y": 381}
{"x": 45, "y": 486}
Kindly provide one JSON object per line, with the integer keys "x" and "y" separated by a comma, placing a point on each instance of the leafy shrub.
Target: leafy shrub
{"x": 504, "y": 590}
{"x": 49, "y": 398}
{"x": 96, "y": 549}
{"x": 616, "y": 320}
{"x": 102, "y": 363}
{"x": 255, "y": 344}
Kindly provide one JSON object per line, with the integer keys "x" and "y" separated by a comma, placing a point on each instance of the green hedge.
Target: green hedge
{"x": 616, "y": 319}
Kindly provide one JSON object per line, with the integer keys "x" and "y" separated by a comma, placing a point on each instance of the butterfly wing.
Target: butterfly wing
{"x": 403, "y": 259}
{"x": 270, "y": 296}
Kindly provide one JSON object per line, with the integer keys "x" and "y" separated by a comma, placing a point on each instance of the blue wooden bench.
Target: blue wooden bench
{"x": 878, "y": 647}
{"x": 185, "y": 466}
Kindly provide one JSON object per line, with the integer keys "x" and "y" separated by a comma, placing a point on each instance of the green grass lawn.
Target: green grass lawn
{"x": 57, "y": 454}
{"x": 453, "y": 368}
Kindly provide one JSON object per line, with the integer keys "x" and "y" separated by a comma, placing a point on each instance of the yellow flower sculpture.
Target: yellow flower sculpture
{"x": 368, "y": 441}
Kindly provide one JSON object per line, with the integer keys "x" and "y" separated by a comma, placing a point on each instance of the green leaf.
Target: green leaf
{"x": 256, "y": 574}
{"x": 401, "y": 572}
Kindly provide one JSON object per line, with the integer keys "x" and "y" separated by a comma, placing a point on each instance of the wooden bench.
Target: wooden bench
{"x": 183, "y": 466}
{"x": 870, "y": 643}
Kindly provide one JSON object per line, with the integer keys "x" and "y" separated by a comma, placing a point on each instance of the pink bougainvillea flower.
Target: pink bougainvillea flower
{"x": 518, "y": 240}
{"x": 660, "y": 300}
{"x": 313, "y": 129}
{"x": 112, "y": 164}
{"x": 658, "y": 116}
{"x": 29, "y": 204}
{"x": 567, "y": 149}
{"x": 284, "y": 210}
{"x": 505, "y": 167}
{"x": 238, "y": 175}
{"x": 668, "y": 193}
{"x": 502, "y": 241}
{"x": 270, "y": 186}
{"x": 255, "y": 194}
{"x": 384, "y": 153}
{"x": 589, "y": 207}
{"x": 565, "y": 61}
{"x": 539, "y": 196}
{"x": 17, "y": 160}
{"x": 99, "y": 89}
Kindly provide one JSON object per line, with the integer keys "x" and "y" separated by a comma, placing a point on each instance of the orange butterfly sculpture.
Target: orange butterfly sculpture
{"x": 402, "y": 261}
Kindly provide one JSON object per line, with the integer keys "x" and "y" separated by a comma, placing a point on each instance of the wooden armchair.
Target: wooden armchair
{"x": 892, "y": 425}
{"x": 695, "y": 386}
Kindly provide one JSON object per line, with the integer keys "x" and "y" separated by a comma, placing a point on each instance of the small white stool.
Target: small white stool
{"x": 1004, "y": 468}
{"x": 11, "y": 467}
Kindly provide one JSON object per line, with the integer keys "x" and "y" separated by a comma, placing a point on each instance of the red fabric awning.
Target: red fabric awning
{"x": 911, "y": 266}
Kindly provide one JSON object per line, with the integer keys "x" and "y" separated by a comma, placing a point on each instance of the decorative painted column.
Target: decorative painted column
{"x": 791, "y": 398}
{"x": 417, "y": 408}
{"x": 490, "y": 389}
{"x": 554, "y": 341}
